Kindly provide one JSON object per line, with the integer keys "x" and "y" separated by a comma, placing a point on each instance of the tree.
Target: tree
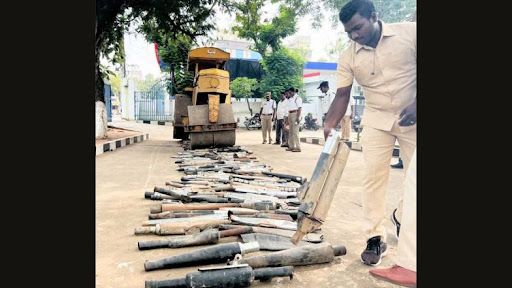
{"x": 243, "y": 87}
{"x": 115, "y": 83}
{"x": 267, "y": 33}
{"x": 173, "y": 52}
{"x": 334, "y": 48}
{"x": 283, "y": 69}
{"x": 147, "y": 83}
{"x": 180, "y": 17}
{"x": 388, "y": 10}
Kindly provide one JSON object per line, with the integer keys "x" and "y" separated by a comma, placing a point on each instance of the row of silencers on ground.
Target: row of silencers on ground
{"x": 261, "y": 206}
{"x": 180, "y": 228}
{"x": 259, "y": 219}
{"x": 186, "y": 195}
{"x": 297, "y": 256}
{"x": 266, "y": 185}
{"x": 209, "y": 236}
{"x": 210, "y": 198}
{"x": 318, "y": 193}
{"x": 216, "y": 254}
{"x": 310, "y": 237}
{"x": 223, "y": 277}
{"x": 270, "y": 242}
{"x": 308, "y": 254}
{"x": 298, "y": 179}
{"x": 262, "y": 222}
{"x": 269, "y": 180}
{"x": 221, "y": 210}
{"x": 190, "y": 214}
{"x": 268, "y": 221}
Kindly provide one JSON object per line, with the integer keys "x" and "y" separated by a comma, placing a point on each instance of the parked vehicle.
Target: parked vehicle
{"x": 310, "y": 122}
{"x": 253, "y": 123}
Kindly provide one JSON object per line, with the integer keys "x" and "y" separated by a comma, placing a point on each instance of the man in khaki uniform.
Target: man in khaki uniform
{"x": 267, "y": 115}
{"x": 404, "y": 272}
{"x": 382, "y": 59}
{"x": 294, "y": 110}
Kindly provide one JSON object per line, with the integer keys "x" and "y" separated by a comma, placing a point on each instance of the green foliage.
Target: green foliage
{"x": 115, "y": 83}
{"x": 338, "y": 46}
{"x": 267, "y": 33}
{"x": 247, "y": 17}
{"x": 173, "y": 51}
{"x": 180, "y": 17}
{"x": 283, "y": 69}
{"x": 145, "y": 84}
{"x": 243, "y": 87}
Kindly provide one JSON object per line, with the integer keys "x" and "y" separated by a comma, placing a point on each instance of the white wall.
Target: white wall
{"x": 169, "y": 107}
{"x": 128, "y": 100}
{"x": 240, "y": 109}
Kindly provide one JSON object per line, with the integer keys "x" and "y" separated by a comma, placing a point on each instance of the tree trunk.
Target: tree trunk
{"x": 106, "y": 13}
{"x": 249, "y": 106}
{"x": 101, "y": 120}
{"x": 101, "y": 115}
{"x": 99, "y": 86}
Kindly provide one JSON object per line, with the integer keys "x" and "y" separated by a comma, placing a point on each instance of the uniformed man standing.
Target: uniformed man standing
{"x": 382, "y": 59}
{"x": 286, "y": 127}
{"x": 294, "y": 110}
{"x": 326, "y": 99}
{"x": 267, "y": 114}
{"x": 281, "y": 109}
{"x": 346, "y": 121}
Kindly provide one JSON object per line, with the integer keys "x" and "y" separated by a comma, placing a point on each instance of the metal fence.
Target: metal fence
{"x": 151, "y": 105}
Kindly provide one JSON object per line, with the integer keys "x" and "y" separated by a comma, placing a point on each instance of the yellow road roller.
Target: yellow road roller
{"x": 204, "y": 113}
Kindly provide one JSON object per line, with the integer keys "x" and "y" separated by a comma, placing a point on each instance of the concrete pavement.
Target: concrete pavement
{"x": 123, "y": 175}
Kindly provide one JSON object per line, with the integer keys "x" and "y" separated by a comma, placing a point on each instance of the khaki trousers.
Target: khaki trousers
{"x": 345, "y": 127}
{"x": 293, "y": 136}
{"x": 266, "y": 127}
{"x": 377, "y": 152}
{"x": 406, "y": 250}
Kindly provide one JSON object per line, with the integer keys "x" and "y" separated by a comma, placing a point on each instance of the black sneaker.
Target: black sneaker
{"x": 399, "y": 165}
{"x": 375, "y": 249}
{"x": 395, "y": 222}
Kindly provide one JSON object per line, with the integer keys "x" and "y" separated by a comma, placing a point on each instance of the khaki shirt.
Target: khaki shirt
{"x": 386, "y": 73}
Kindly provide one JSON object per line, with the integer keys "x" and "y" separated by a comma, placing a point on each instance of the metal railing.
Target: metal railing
{"x": 151, "y": 105}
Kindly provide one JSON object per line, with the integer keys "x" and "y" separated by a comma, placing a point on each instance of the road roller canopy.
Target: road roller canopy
{"x": 207, "y": 57}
